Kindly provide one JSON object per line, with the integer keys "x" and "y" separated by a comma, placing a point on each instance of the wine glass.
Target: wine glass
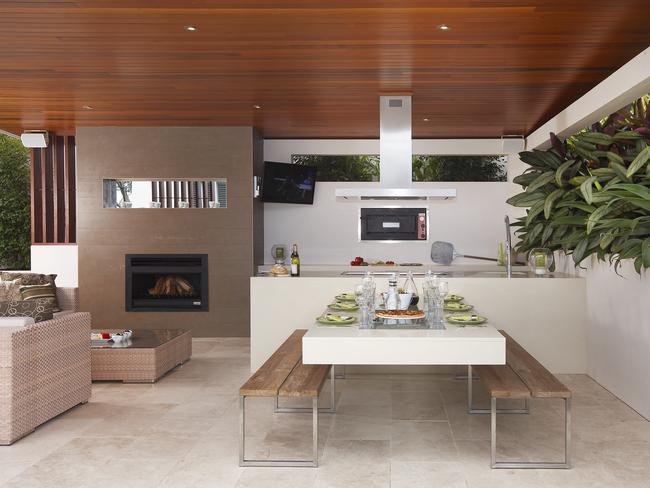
{"x": 443, "y": 289}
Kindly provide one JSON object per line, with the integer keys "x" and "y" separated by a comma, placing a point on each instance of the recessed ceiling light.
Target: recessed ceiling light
{"x": 87, "y": 107}
{"x": 444, "y": 27}
{"x": 191, "y": 28}
{"x": 426, "y": 119}
{"x": 257, "y": 107}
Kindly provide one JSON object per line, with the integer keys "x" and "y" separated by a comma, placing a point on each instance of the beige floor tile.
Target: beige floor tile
{"x": 360, "y": 428}
{"x": 183, "y": 432}
{"x": 422, "y": 441}
{"x": 417, "y": 405}
{"x": 280, "y": 477}
{"x": 426, "y": 475}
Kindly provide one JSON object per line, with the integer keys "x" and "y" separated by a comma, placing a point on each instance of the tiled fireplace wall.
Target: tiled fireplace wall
{"x": 232, "y": 237}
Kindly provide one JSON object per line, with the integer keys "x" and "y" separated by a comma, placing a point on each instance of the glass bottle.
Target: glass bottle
{"x": 295, "y": 261}
{"x": 392, "y": 297}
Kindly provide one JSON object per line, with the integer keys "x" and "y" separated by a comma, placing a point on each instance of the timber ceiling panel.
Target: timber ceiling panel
{"x": 316, "y": 67}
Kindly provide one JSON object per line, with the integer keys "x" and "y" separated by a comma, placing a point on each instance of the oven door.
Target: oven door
{"x": 393, "y": 224}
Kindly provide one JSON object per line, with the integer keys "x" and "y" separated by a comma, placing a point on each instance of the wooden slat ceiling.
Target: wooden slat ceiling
{"x": 316, "y": 67}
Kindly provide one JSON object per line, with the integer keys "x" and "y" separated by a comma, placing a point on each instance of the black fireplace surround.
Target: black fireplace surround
{"x": 166, "y": 282}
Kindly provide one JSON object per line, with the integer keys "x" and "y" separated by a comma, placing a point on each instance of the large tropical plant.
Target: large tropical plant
{"x": 590, "y": 195}
{"x": 15, "y": 220}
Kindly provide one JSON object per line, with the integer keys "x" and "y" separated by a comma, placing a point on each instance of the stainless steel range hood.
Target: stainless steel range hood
{"x": 396, "y": 156}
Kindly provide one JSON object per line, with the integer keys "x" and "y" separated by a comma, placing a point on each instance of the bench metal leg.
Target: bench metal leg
{"x": 331, "y": 409}
{"x": 526, "y": 464}
{"x": 341, "y": 376}
{"x": 472, "y": 410}
{"x": 313, "y": 463}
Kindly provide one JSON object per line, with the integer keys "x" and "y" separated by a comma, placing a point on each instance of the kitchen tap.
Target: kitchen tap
{"x": 508, "y": 248}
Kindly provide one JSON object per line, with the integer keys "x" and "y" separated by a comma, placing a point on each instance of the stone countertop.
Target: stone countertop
{"x": 457, "y": 271}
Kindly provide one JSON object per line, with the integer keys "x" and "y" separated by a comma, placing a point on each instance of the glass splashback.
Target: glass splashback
{"x": 123, "y": 193}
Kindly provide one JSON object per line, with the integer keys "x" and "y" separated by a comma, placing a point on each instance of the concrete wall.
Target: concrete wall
{"x": 106, "y": 235}
{"x": 327, "y": 232}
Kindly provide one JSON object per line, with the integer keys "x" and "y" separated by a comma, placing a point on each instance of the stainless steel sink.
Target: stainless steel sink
{"x": 388, "y": 273}
{"x": 495, "y": 274}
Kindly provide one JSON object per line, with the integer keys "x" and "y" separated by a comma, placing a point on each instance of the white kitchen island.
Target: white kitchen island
{"x": 403, "y": 346}
{"x": 547, "y": 316}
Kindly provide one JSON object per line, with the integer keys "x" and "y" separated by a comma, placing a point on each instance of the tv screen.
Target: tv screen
{"x": 288, "y": 183}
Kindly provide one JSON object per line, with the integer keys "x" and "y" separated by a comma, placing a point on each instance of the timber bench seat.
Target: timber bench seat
{"x": 522, "y": 377}
{"x": 285, "y": 375}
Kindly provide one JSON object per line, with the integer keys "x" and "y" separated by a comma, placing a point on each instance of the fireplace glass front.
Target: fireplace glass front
{"x": 166, "y": 282}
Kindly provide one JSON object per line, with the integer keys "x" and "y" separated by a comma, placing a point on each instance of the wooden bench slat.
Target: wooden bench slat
{"x": 502, "y": 382}
{"x": 539, "y": 380}
{"x": 306, "y": 380}
{"x": 268, "y": 379}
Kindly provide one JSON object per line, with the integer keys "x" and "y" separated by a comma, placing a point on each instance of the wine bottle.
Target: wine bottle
{"x": 295, "y": 261}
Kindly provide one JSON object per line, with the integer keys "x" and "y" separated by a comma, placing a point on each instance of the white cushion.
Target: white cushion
{"x": 16, "y": 321}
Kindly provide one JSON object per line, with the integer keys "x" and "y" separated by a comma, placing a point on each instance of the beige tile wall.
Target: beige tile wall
{"x": 232, "y": 237}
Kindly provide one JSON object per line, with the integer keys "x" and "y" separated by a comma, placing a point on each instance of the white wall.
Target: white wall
{"x": 61, "y": 260}
{"x": 618, "y": 329}
{"x": 327, "y": 232}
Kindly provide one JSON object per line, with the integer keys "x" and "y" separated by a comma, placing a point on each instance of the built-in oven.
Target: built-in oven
{"x": 394, "y": 224}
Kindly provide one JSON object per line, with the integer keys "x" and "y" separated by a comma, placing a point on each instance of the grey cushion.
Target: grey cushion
{"x": 9, "y": 290}
{"x": 39, "y": 309}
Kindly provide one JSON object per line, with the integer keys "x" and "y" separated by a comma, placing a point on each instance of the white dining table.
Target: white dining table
{"x": 324, "y": 344}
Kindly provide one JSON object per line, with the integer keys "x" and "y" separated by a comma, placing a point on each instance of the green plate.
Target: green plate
{"x": 465, "y": 319}
{"x": 458, "y": 307}
{"x": 331, "y": 319}
{"x": 344, "y": 307}
{"x": 453, "y": 298}
{"x": 346, "y": 297}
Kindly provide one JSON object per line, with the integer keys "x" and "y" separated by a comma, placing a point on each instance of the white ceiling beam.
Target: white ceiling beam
{"x": 625, "y": 85}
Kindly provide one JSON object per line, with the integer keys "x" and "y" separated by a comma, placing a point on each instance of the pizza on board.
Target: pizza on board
{"x": 400, "y": 314}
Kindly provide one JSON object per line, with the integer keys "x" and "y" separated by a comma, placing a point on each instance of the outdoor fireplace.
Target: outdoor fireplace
{"x": 166, "y": 282}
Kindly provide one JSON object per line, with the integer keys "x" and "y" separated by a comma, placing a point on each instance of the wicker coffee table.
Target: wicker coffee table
{"x": 148, "y": 355}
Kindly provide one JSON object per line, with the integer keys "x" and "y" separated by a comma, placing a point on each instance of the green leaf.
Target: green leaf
{"x": 577, "y": 180}
{"x": 532, "y": 235}
{"x": 645, "y": 253}
{"x": 640, "y": 203}
{"x": 541, "y": 180}
{"x": 534, "y": 211}
{"x": 586, "y": 188}
{"x": 614, "y": 158}
{"x": 550, "y": 200}
{"x": 526, "y": 178}
{"x": 626, "y": 135}
{"x": 579, "y": 251}
{"x": 596, "y": 138}
{"x": 570, "y": 220}
{"x": 639, "y": 162}
{"x": 525, "y": 199}
{"x": 546, "y": 234}
{"x": 581, "y": 205}
{"x": 636, "y": 189}
{"x": 596, "y": 216}
{"x": 561, "y": 169}
{"x": 621, "y": 171}
{"x": 606, "y": 240}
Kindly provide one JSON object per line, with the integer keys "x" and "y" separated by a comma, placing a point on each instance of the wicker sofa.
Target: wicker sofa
{"x": 44, "y": 369}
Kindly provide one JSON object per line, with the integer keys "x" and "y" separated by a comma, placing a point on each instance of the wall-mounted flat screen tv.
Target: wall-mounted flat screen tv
{"x": 288, "y": 183}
